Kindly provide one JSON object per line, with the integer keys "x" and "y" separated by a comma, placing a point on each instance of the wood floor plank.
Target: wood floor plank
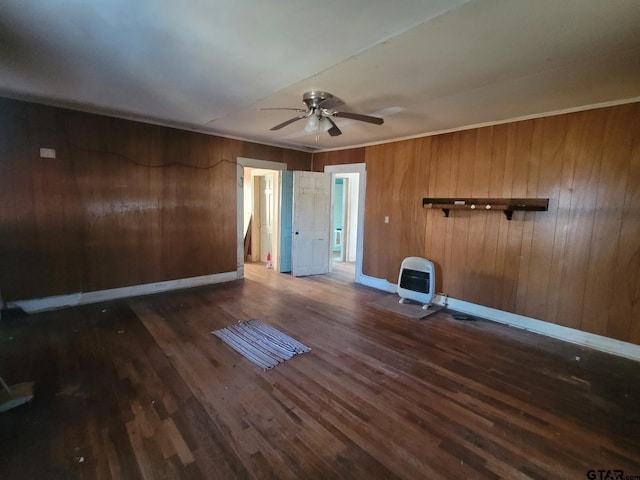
{"x": 141, "y": 454}
{"x": 140, "y": 388}
{"x": 179, "y": 445}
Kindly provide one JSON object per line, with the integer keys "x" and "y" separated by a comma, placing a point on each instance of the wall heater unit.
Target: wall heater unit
{"x": 417, "y": 281}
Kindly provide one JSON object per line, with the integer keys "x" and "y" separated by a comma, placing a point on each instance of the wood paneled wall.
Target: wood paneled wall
{"x": 576, "y": 265}
{"x": 337, "y": 157}
{"x": 123, "y": 203}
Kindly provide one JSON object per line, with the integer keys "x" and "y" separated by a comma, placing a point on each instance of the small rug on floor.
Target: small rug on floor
{"x": 263, "y": 345}
{"x": 411, "y": 310}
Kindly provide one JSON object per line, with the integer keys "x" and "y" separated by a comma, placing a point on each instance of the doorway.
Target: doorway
{"x": 347, "y": 197}
{"x": 258, "y": 202}
{"x": 345, "y": 218}
{"x": 263, "y": 205}
{"x": 261, "y": 213}
{"x": 245, "y": 193}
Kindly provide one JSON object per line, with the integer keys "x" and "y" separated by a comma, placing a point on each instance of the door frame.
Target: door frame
{"x": 360, "y": 168}
{"x": 251, "y": 163}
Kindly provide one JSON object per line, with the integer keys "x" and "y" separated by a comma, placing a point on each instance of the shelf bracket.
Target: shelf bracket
{"x": 445, "y": 211}
{"x": 508, "y": 214}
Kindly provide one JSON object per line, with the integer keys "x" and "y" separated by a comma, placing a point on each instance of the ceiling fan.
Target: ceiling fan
{"x": 319, "y": 113}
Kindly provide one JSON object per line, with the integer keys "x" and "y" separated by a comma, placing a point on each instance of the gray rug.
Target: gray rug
{"x": 411, "y": 310}
{"x": 263, "y": 345}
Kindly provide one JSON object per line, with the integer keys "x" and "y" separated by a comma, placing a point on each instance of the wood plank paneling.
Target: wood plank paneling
{"x": 576, "y": 265}
{"x": 581, "y": 216}
{"x": 475, "y": 283}
{"x": 338, "y": 157}
{"x": 124, "y": 203}
{"x": 420, "y": 179}
{"x": 544, "y": 228}
{"x": 624, "y": 313}
{"x": 434, "y": 245}
{"x": 461, "y": 245}
{"x": 515, "y": 230}
{"x": 533, "y": 169}
{"x": 608, "y": 220}
{"x": 446, "y": 164}
{"x": 377, "y": 202}
{"x": 495, "y": 226}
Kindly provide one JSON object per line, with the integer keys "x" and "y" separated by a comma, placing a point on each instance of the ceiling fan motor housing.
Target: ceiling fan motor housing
{"x": 313, "y": 98}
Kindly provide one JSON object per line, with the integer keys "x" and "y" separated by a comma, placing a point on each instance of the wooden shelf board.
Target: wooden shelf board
{"x": 506, "y": 205}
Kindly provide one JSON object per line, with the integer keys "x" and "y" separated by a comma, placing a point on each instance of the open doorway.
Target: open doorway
{"x": 345, "y": 218}
{"x": 258, "y": 211}
{"x": 347, "y": 197}
{"x": 261, "y": 214}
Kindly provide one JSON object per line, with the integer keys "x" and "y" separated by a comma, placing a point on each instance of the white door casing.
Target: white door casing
{"x": 310, "y": 244}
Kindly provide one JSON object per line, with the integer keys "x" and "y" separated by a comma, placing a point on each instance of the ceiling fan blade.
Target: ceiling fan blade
{"x": 288, "y": 122}
{"x": 359, "y": 117}
{"x": 330, "y": 103}
{"x": 285, "y": 108}
{"x": 334, "y": 131}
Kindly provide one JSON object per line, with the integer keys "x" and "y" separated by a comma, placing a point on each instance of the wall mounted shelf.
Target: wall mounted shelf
{"x": 506, "y": 205}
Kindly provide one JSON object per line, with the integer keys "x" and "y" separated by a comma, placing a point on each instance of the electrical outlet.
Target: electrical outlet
{"x": 47, "y": 153}
{"x": 386, "y": 219}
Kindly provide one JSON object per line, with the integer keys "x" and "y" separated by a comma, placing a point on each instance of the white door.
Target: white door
{"x": 310, "y": 243}
{"x": 266, "y": 216}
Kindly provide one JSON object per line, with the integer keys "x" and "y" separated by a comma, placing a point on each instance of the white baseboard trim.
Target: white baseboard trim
{"x": 379, "y": 283}
{"x": 81, "y": 298}
{"x": 572, "y": 335}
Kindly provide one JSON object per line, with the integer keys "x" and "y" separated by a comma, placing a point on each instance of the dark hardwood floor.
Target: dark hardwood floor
{"x": 141, "y": 389}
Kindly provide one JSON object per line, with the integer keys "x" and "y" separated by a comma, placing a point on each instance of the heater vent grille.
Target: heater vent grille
{"x": 415, "y": 280}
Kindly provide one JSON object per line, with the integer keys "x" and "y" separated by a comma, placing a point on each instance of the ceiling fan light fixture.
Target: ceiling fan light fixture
{"x": 321, "y": 109}
{"x": 312, "y": 123}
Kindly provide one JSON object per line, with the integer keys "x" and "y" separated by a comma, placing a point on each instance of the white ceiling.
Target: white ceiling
{"x": 425, "y": 66}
